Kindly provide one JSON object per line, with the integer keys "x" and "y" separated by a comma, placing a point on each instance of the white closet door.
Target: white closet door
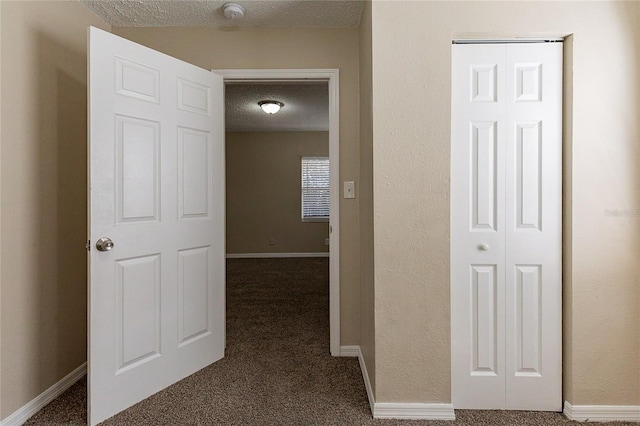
{"x": 477, "y": 226}
{"x": 506, "y": 226}
{"x": 534, "y": 227}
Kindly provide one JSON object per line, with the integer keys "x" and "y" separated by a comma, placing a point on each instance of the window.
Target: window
{"x": 315, "y": 189}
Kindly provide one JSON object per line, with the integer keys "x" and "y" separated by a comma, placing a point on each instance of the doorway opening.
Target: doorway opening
{"x": 312, "y": 159}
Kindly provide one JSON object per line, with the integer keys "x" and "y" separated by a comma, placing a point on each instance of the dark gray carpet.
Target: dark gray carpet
{"x": 277, "y": 369}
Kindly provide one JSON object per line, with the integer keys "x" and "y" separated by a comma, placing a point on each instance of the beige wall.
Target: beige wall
{"x": 289, "y": 48}
{"x": 411, "y": 157}
{"x": 43, "y": 169}
{"x": 367, "y": 295}
{"x": 263, "y": 192}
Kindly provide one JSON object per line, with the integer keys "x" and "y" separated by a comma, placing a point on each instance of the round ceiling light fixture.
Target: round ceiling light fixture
{"x": 270, "y": 107}
{"x": 233, "y": 11}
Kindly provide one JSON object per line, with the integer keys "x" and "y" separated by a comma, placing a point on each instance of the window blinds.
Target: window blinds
{"x": 315, "y": 188}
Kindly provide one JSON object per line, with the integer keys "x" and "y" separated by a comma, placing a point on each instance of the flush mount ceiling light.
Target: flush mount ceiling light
{"x": 270, "y": 107}
{"x": 233, "y": 11}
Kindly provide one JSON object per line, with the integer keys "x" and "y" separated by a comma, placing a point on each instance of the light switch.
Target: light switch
{"x": 349, "y": 189}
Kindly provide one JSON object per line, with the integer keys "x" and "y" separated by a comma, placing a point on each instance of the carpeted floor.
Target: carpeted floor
{"x": 277, "y": 369}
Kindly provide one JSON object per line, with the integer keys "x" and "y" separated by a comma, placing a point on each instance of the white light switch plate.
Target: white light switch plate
{"x": 349, "y": 189}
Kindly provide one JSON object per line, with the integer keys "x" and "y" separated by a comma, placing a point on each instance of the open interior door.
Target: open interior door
{"x": 156, "y": 199}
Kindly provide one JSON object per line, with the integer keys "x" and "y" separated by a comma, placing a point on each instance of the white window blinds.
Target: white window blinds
{"x": 315, "y": 188}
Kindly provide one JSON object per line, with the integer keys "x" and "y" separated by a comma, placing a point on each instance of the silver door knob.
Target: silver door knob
{"x": 484, "y": 247}
{"x": 104, "y": 244}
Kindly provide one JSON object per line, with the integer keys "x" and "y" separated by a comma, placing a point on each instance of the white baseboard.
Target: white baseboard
{"x": 602, "y": 413}
{"x": 23, "y": 414}
{"x": 367, "y": 382}
{"x": 350, "y": 351}
{"x": 413, "y": 411}
{"x": 400, "y": 410}
{"x": 271, "y": 255}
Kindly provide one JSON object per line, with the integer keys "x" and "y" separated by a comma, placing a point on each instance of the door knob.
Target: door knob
{"x": 484, "y": 247}
{"x": 104, "y": 244}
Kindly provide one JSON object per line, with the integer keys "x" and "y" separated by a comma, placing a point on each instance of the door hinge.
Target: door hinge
{"x": 88, "y": 245}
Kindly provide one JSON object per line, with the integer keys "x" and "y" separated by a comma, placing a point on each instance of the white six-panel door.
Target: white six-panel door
{"x": 506, "y": 258}
{"x": 156, "y": 189}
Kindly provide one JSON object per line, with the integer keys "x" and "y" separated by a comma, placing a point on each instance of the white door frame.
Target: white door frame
{"x": 331, "y": 76}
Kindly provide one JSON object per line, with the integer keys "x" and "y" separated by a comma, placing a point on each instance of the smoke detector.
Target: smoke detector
{"x": 233, "y": 11}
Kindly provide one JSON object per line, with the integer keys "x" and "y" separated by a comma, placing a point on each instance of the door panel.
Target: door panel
{"x": 477, "y": 224}
{"x": 137, "y": 311}
{"x": 194, "y": 173}
{"x": 137, "y": 169}
{"x": 484, "y": 175}
{"x": 193, "y": 272}
{"x": 506, "y": 226}
{"x": 534, "y": 226}
{"x": 156, "y": 188}
{"x": 528, "y": 320}
{"x": 528, "y": 171}
{"x": 484, "y": 320}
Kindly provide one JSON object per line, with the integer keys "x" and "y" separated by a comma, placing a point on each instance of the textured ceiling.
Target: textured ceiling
{"x": 306, "y": 107}
{"x": 208, "y": 13}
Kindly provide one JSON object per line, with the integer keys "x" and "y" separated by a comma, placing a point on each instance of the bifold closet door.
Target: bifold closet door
{"x": 506, "y": 258}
